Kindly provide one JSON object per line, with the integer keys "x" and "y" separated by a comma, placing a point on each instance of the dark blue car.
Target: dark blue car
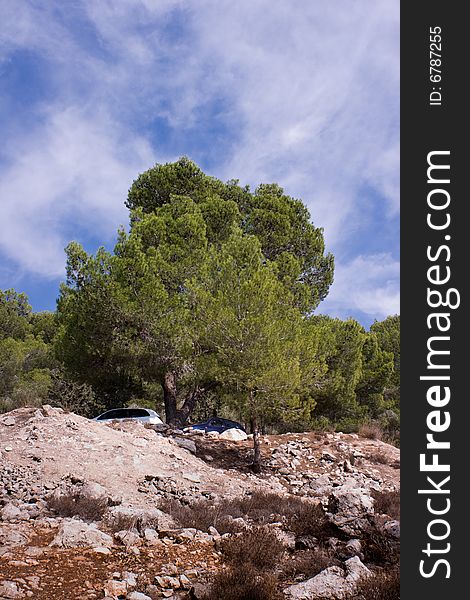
{"x": 216, "y": 424}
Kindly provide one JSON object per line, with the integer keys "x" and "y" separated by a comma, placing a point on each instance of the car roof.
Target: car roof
{"x": 221, "y": 419}
{"x": 149, "y": 410}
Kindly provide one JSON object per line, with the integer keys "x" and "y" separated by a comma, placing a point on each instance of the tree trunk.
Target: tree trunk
{"x": 189, "y": 404}
{"x": 256, "y": 466}
{"x": 169, "y": 397}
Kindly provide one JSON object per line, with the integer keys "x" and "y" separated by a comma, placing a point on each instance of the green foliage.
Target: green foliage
{"x": 377, "y": 369}
{"x": 24, "y": 372}
{"x": 44, "y": 325}
{"x": 14, "y": 315}
{"x": 75, "y": 397}
{"x": 30, "y": 374}
{"x": 127, "y": 314}
{"x": 281, "y": 223}
{"x": 355, "y": 385}
{"x": 140, "y": 315}
{"x": 388, "y": 336}
{"x": 153, "y": 189}
{"x": 252, "y": 333}
{"x": 342, "y": 345}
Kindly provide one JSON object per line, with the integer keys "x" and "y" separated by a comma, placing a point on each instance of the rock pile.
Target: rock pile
{"x": 124, "y": 546}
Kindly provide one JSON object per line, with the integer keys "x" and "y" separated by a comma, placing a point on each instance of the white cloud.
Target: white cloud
{"x": 72, "y": 173}
{"x": 317, "y": 99}
{"x": 368, "y": 284}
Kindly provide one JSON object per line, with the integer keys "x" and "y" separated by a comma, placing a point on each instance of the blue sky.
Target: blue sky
{"x": 305, "y": 94}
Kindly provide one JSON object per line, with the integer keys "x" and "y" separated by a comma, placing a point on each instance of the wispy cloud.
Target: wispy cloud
{"x": 368, "y": 285}
{"x": 306, "y": 95}
{"x": 70, "y": 175}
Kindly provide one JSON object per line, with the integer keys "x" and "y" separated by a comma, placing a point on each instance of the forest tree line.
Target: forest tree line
{"x": 206, "y": 305}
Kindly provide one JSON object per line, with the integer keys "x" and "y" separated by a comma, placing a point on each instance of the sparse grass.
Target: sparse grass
{"x": 383, "y": 585}
{"x": 387, "y": 503}
{"x": 244, "y": 584}
{"x": 259, "y": 547}
{"x": 74, "y": 504}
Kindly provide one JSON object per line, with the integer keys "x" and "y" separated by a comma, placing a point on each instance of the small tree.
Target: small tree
{"x": 377, "y": 368}
{"x": 341, "y": 346}
{"x": 24, "y": 372}
{"x": 252, "y": 342}
{"x": 15, "y": 312}
{"x": 388, "y": 336}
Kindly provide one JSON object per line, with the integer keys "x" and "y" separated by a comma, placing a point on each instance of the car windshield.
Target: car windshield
{"x": 124, "y": 413}
{"x": 135, "y": 413}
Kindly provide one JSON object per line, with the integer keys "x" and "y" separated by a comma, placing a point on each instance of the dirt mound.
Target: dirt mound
{"x": 40, "y": 448}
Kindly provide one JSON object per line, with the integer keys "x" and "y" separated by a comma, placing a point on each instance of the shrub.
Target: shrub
{"x": 122, "y": 522}
{"x": 383, "y": 585}
{"x": 379, "y": 548}
{"x": 200, "y": 515}
{"x": 260, "y": 508}
{"x": 73, "y": 396}
{"x": 349, "y": 424}
{"x": 371, "y": 430}
{"x": 308, "y": 563}
{"x": 378, "y": 457}
{"x": 258, "y": 547}
{"x": 310, "y": 519}
{"x": 390, "y": 423}
{"x": 74, "y": 504}
{"x": 387, "y": 503}
{"x": 244, "y": 584}
{"x": 321, "y": 423}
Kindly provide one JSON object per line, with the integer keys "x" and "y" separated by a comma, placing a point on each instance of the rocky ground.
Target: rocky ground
{"x": 87, "y": 510}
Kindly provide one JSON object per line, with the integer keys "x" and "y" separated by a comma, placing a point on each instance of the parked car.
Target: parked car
{"x": 144, "y": 415}
{"x": 216, "y": 424}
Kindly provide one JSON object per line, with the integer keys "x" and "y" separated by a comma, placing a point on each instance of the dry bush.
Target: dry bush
{"x": 372, "y": 431}
{"x": 380, "y": 548}
{"x": 260, "y": 508}
{"x": 378, "y": 457}
{"x": 258, "y": 547}
{"x": 301, "y": 516}
{"x": 383, "y": 585}
{"x": 308, "y": 563}
{"x": 200, "y": 515}
{"x": 121, "y": 522}
{"x": 74, "y": 504}
{"x": 310, "y": 520}
{"x": 263, "y": 507}
{"x": 387, "y": 503}
{"x": 244, "y": 584}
